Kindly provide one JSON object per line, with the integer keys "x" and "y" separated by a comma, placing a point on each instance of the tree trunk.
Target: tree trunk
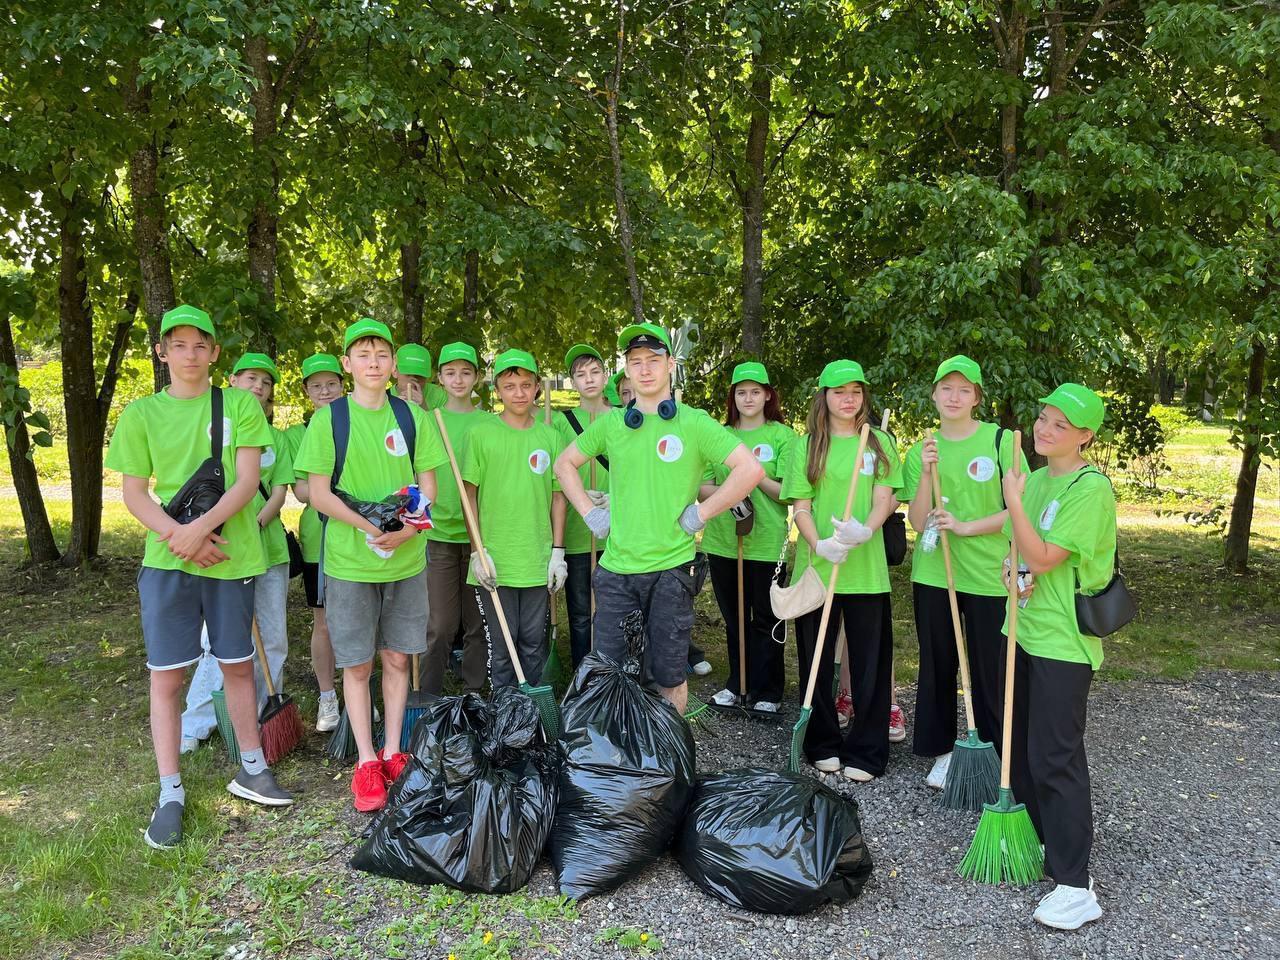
{"x": 753, "y": 211}
{"x": 411, "y": 291}
{"x": 471, "y": 289}
{"x": 1241, "y": 523}
{"x": 41, "y": 547}
{"x": 266, "y": 184}
{"x": 619, "y": 188}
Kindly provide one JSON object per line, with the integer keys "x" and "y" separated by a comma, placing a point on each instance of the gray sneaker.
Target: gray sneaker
{"x": 260, "y": 788}
{"x": 165, "y": 830}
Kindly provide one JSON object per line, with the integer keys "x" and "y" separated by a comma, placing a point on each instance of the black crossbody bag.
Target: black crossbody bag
{"x": 1103, "y": 613}
{"x": 205, "y": 487}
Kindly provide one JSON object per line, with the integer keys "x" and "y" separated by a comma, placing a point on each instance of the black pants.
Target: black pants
{"x": 1050, "y": 771}
{"x": 526, "y": 610}
{"x": 982, "y": 618}
{"x": 577, "y": 599}
{"x": 868, "y": 627}
{"x": 765, "y": 671}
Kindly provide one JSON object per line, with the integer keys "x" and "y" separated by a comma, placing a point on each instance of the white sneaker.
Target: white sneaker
{"x": 327, "y": 716}
{"x": 701, "y": 668}
{"x": 766, "y": 706}
{"x": 1068, "y": 908}
{"x": 829, "y": 765}
{"x": 937, "y": 778}
{"x": 189, "y": 745}
{"x": 857, "y": 775}
{"x": 725, "y": 698}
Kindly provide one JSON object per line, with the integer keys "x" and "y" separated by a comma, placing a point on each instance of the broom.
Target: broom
{"x": 280, "y": 723}
{"x": 225, "y": 728}
{"x": 974, "y": 773}
{"x": 1006, "y": 846}
{"x": 802, "y": 725}
{"x": 342, "y": 742}
{"x": 551, "y": 670}
{"x": 543, "y": 696}
{"x": 416, "y": 705}
{"x": 592, "y": 581}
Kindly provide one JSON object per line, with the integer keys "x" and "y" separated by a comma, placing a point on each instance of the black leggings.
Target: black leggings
{"x": 765, "y": 671}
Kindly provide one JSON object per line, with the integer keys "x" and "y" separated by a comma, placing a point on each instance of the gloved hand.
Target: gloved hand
{"x": 831, "y": 550}
{"x": 599, "y": 498}
{"x": 743, "y": 509}
{"x": 851, "y": 532}
{"x": 487, "y": 578}
{"x": 597, "y": 521}
{"x": 690, "y": 521}
{"x": 557, "y": 570}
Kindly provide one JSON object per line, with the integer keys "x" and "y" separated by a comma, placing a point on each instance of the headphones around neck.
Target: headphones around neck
{"x": 634, "y": 418}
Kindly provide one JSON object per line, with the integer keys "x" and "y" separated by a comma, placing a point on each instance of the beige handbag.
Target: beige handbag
{"x": 805, "y": 594}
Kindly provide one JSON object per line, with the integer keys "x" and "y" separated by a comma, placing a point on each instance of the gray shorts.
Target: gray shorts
{"x": 175, "y": 604}
{"x": 666, "y": 599}
{"x": 366, "y": 617}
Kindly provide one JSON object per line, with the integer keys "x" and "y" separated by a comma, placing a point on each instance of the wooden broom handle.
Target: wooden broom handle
{"x": 742, "y": 631}
{"x": 262, "y": 657}
{"x": 961, "y": 649}
{"x": 1006, "y": 751}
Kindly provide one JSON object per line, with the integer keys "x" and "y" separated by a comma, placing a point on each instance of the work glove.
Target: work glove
{"x": 597, "y": 521}
{"x": 599, "y": 498}
{"x": 851, "y": 533}
{"x": 831, "y": 550}
{"x": 487, "y": 578}
{"x": 557, "y": 570}
{"x": 690, "y": 521}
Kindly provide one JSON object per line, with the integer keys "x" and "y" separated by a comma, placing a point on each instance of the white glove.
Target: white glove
{"x": 831, "y": 550}
{"x": 486, "y": 578}
{"x": 599, "y": 498}
{"x": 557, "y": 570}
{"x": 851, "y": 532}
{"x": 690, "y": 521}
{"x": 597, "y": 521}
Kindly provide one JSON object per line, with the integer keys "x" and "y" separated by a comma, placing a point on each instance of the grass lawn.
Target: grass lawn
{"x": 77, "y": 774}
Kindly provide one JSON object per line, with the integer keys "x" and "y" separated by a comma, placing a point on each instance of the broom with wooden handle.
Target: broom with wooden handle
{"x": 280, "y": 723}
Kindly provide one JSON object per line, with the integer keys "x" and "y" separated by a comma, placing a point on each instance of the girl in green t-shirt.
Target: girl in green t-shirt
{"x": 969, "y": 457}
{"x": 1063, "y": 519}
{"x": 754, "y": 416}
{"x": 816, "y": 481}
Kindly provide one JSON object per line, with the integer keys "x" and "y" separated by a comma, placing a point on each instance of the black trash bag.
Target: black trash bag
{"x": 773, "y": 842}
{"x": 626, "y": 782}
{"x": 474, "y": 805}
{"x": 385, "y": 514}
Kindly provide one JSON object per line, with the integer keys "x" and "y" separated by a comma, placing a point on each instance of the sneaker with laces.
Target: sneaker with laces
{"x": 725, "y": 698}
{"x": 369, "y": 785}
{"x": 897, "y": 724}
{"x": 164, "y": 832}
{"x": 844, "y": 708}
{"x": 937, "y": 778}
{"x": 829, "y": 765}
{"x": 857, "y": 775}
{"x": 1068, "y": 908}
{"x": 392, "y": 765}
{"x": 327, "y": 715}
{"x": 260, "y": 788}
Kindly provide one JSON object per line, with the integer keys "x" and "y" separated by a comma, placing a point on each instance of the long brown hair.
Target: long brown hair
{"x": 772, "y": 406}
{"x": 818, "y": 428}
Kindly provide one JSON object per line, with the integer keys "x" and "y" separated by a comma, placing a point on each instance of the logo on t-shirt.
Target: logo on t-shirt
{"x": 981, "y": 469}
{"x": 868, "y": 463}
{"x": 1048, "y": 514}
{"x": 394, "y": 442}
{"x": 226, "y": 431}
{"x": 268, "y": 457}
{"x": 762, "y": 452}
{"x": 670, "y": 448}
{"x": 539, "y": 461}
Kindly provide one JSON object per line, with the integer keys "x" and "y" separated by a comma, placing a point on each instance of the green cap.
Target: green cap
{"x": 611, "y": 395}
{"x": 1080, "y": 405}
{"x": 649, "y": 334}
{"x": 185, "y": 315}
{"x": 514, "y": 360}
{"x": 415, "y": 360}
{"x": 962, "y": 365}
{"x": 320, "y": 363}
{"x": 459, "y": 351}
{"x": 751, "y": 370}
{"x": 580, "y": 350}
{"x": 366, "y": 327}
{"x": 257, "y": 361}
{"x": 839, "y": 372}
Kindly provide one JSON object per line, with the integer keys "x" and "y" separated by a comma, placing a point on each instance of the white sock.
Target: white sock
{"x": 328, "y": 694}
{"x": 252, "y": 761}
{"x": 171, "y": 790}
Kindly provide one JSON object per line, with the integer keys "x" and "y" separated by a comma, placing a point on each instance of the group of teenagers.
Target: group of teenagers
{"x": 612, "y": 501}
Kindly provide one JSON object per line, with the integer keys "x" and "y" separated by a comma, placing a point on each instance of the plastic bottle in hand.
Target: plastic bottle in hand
{"x": 929, "y": 536}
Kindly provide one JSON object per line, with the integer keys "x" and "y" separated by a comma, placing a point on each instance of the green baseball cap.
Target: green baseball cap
{"x": 459, "y": 351}
{"x": 257, "y": 361}
{"x": 751, "y": 370}
{"x": 644, "y": 335}
{"x": 366, "y": 327}
{"x": 1080, "y": 405}
{"x": 839, "y": 372}
{"x": 514, "y": 360}
{"x": 320, "y": 363}
{"x": 962, "y": 365}
{"x": 580, "y": 350}
{"x": 414, "y": 359}
{"x": 611, "y": 395}
{"x": 185, "y": 315}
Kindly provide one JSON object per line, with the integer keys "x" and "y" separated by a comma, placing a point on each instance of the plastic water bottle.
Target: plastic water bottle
{"x": 929, "y": 536}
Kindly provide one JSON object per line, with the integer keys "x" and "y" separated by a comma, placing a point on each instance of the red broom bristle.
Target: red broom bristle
{"x": 282, "y": 732}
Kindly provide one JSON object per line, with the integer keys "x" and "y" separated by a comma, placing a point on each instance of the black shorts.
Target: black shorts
{"x": 666, "y": 599}
{"x": 311, "y": 584}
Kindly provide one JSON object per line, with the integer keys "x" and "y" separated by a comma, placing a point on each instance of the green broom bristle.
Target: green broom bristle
{"x": 553, "y": 668}
{"x": 973, "y": 778}
{"x": 1005, "y": 847}
{"x": 225, "y": 728}
{"x": 548, "y": 709}
{"x": 797, "y": 739}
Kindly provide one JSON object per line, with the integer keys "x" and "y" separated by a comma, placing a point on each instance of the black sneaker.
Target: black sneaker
{"x": 260, "y": 788}
{"x": 165, "y": 830}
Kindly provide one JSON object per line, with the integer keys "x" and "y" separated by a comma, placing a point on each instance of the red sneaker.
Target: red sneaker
{"x": 897, "y": 724}
{"x": 844, "y": 708}
{"x": 369, "y": 786}
{"x": 392, "y": 765}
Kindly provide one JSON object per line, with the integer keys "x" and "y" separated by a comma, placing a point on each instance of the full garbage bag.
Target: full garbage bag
{"x": 773, "y": 842}
{"x": 475, "y": 803}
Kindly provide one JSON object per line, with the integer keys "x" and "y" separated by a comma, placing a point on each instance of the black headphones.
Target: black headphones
{"x": 634, "y": 418}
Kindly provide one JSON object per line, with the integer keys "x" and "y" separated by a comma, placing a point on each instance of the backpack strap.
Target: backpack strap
{"x": 340, "y": 423}
{"x": 577, "y": 429}
{"x": 1000, "y": 432}
{"x": 404, "y": 420}
{"x": 215, "y": 424}
{"x": 1088, "y": 471}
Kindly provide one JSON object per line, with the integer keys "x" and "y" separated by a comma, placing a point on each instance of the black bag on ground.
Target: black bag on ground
{"x": 475, "y": 804}
{"x": 205, "y": 487}
{"x": 626, "y": 782}
{"x": 773, "y": 842}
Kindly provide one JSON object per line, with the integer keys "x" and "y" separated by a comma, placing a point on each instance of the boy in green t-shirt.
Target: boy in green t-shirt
{"x": 452, "y": 601}
{"x": 658, "y": 451}
{"x": 322, "y": 380}
{"x": 520, "y": 510}
{"x": 413, "y": 378}
{"x": 375, "y": 586}
{"x": 201, "y": 571}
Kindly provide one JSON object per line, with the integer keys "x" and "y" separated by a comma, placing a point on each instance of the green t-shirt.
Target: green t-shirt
{"x": 865, "y": 570}
{"x": 277, "y": 469}
{"x": 449, "y": 525}
{"x": 309, "y": 523}
{"x": 434, "y": 397}
{"x": 656, "y": 470}
{"x": 577, "y": 538}
{"x": 970, "y": 479}
{"x": 166, "y": 438}
{"x": 377, "y": 465}
{"x": 769, "y": 444}
{"x": 514, "y": 479}
{"x": 1083, "y": 521}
